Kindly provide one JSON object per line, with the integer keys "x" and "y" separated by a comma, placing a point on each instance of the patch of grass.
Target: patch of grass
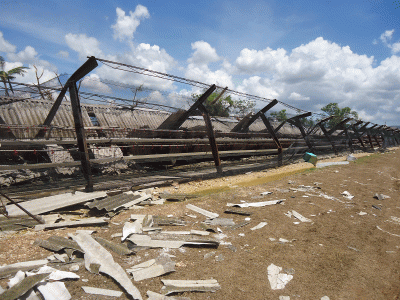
{"x": 366, "y": 159}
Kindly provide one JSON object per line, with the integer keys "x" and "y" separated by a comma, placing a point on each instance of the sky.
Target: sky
{"x": 306, "y": 53}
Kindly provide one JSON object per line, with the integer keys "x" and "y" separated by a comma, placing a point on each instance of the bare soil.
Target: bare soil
{"x": 340, "y": 254}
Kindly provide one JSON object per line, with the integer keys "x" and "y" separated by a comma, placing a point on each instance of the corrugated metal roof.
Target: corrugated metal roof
{"x": 112, "y": 203}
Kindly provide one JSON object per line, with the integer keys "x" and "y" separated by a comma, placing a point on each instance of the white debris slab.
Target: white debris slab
{"x": 54, "y": 291}
{"x": 42, "y": 205}
{"x": 276, "y": 279}
{"x": 83, "y": 222}
{"x": 131, "y": 228}
{"x": 103, "y": 292}
{"x": 265, "y": 193}
{"x": 157, "y": 296}
{"x": 284, "y": 297}
{"x": 152, "y": 268}
{"x": 55, "y": 274}
{"x": 259, "y": 226}
{"x": 347, "y": 195}
{"x": 204, "y": 212}
{"x": 175, "y": 286}
{"x": 146, "y": 241}
{"x": 300, "y": 217}
{"x": 23, "y": 266}
{"x": 97, "y": 255}
{"x": 256, "y": 204}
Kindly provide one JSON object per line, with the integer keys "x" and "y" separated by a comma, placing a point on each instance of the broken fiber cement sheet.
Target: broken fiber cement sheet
{"x": 96, "y": 255}
{"x": 23, "y": 266}
{"x": 147, "y": 241}
{"x": 82, "y": 222}
{"x": 157, "y": 296}
{"x": 276, "y": 279}
{"x": 152, "y": 268}
{"x": 103, "y": 292}
{"x": 46, "y": 204}
{"x": 300, "y": 217}
{"x": 199, "y": 210}
{"x": 256, "y": 204}
{"x": 22, "y": 287}
{"x": 176, "y": 286}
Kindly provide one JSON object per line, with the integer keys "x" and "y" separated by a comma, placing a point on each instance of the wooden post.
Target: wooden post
{"x": 211, "y": 137}
{"x": 274, "y": 136}
{"x": 80, "y": 136}
{"x": 173, "y": 122}
{"x": 328, "y": 137}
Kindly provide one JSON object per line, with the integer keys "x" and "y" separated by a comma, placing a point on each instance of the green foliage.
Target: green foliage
{"x": 6, "y": 77}
{"x": 307, "y": 122}
{"x": 280, "y": 115}
{"x": 225, "y": 106}
{"x": 332, "y": 109}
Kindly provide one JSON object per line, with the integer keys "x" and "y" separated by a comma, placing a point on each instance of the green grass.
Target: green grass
{"x": 366, "y": 159}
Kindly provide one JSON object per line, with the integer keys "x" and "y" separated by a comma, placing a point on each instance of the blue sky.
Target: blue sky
{"x": 305, "y": 53}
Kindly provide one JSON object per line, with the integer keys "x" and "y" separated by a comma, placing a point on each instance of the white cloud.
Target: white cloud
{"x": 261, "y": 87}
{"x": 30, "y": 56}
{"x": 297, "y": 96}
{"x": 6, "y": 46}
{"x": 126, "y": 26}
{"x": 203, "y": 54}
{"x": 63, "y": 54}
{"x": 84, "y": 45}
{"x": 145, "y": 56}
{"x": 93, "y": 83}
{"x": 387, "y": 36}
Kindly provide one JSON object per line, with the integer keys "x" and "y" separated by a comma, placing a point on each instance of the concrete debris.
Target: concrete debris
{"x": 195, "y": 232}
{"x": 237, "y": 212}
{"x": 347, "y": 195}
{"x": 276, "y": 279}
{"x": 381, "y": 196}
{"x": 362, "y": 213}
{"x": 300, "y": 217}
{"x": 204, "y": 212}
{"x": 352, "y": 248}
{"x": 12, "y": 269}
{"x": 284, "y": 297}
{"x": 265, "y": 193}
{"x": 332, "y": 163}
{"x": 74, "y": 268}
{"x": 259, "y": 226}
{"x": 95, "y": 254}
{"x": 219, "y": 257}
{"x": 82, "y": 222}
{"x": 282, "y": 240}
{"x": 46, "y": 204}
{"x": 325, "y": 298}
{"x": 351, "y": 157}
{"x": 156, "y": 296}
{"x": 22, "y": 287}
{"x": 209, "y": 254}
{"x": 103, "y": 292}
{"x": 220, "y": 222}
{"x": 395, "y": 220}
{"x": 176, "y": 286}
{"x": 257, "y": 204}
{"x": 152, "y": 268}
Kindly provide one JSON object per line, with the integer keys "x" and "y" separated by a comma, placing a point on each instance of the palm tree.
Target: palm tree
{"x": 6, "y": 77}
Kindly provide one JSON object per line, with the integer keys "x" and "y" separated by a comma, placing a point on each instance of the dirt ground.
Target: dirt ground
{"x": 341, "y": 254}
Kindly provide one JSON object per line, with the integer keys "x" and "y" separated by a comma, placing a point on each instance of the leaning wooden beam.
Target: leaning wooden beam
{"x": 80, "y": 136}
{"x": 83, "y": 70}
{"x": 296, "y": 121}
{"x": 244, "y": 126}
{"x": 339, "y": 125}
{"x": 274, "y": 136}
{"x": 357, "y": 133}
{"x": 174, "y": 121}
{"x": 327, "y": 135}
{"x": 211, "y": 137}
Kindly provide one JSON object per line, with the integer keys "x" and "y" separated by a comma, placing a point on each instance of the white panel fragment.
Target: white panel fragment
{"x": 300, "y": 217}
{"x": 96, "y": 254}
{"x": 259, "y": 226}
{"x": 54, "y": 291}
{"x": 276, "y": 279}
{"x": 104, "y": 292}
{"x": 256, "y": 204}
{"x": 204, "y": 212}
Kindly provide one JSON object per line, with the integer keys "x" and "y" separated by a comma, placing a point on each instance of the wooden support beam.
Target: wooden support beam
{"x": 211, "y": 137}
{"x": 339, "y": 125}
{"x": 83, "y": 70}
{"x": 273, "y": 135}
{"x": 80, "y": 136}
{"x": 298, "y": 116}
{"x": 245, "y": 126}
{"x": 173, "y": 122}
{"x": 296, "y": 121}
{"x": 219, "y": 96}
{"x": 327, "y": 135}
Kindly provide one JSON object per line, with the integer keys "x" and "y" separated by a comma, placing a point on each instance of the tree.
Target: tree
{"x": 280, "y": 115}
{"x": 332, "y": 109}
{"x": 6, "y": 77}
{"x": 225, "y": 106}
